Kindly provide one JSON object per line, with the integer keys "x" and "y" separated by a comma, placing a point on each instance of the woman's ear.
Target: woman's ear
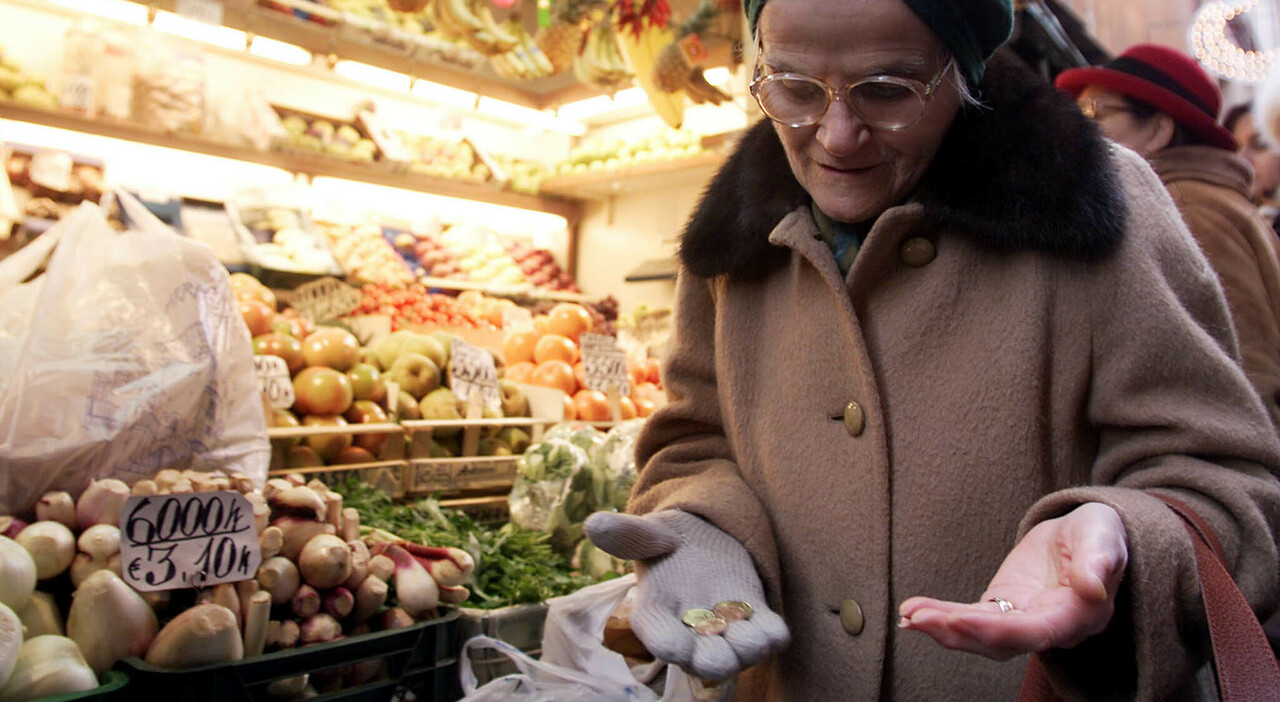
{"x": 1159, "y": 132}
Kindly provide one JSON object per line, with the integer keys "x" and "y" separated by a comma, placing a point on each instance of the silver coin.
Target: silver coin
{"x": 691, "y": 617}
{"x": 714, "y": 626}
{"x": 732, "y": 610}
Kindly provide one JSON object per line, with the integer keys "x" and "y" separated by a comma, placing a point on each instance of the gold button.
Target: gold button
{"x": 917, "y": 252}
{"x": 855, "y": 420}
{"x": 851, "y": 617}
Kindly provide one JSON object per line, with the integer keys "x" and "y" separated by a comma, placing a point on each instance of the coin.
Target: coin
{"x": 714, "y": 626}
{"x": 732, "y": 610}
{"x": 691, "y": 617}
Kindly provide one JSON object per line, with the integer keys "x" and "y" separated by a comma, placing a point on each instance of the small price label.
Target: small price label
{"x": 515, "y": 319}
{"x": 324, "y": 299}
{"x": 196, "y": 540}
{"x": 52, "y": 169}
{"x": 604, "y": 364}
{"x": 369, "y": 328}
{"x": 207, "y": 11}
{"x": 471, "y": 369}
{"x": 78, "y": 93}
{"x": 274, "y": 381}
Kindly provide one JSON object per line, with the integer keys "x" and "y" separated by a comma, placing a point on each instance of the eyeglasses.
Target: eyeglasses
{"x": 881, "y": 102}
{"x": 1095, "y": 110}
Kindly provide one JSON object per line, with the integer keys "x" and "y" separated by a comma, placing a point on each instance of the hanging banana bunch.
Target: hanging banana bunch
{"x": 643, "y": 36}
{"x": 601, "y": 63}
{"x": 473, "y": 22}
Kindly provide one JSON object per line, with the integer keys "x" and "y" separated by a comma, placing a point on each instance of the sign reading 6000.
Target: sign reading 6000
{"x": 175, "y": 541}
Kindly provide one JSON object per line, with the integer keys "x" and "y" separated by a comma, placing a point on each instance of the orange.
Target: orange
{"x": 554, "y": 374}
{"x": 653, "y": 371}
{"x": 636, "y": 371}
{"x": 591, "y": 406}
{"x": 540, "y": 324}
{"x": 518, "y": 346}
{"x": 554, "y": 347}
{"x": 519, "y": 371}
{"x": 644, "y": 407}
{"x": 570, "y": 410}
{"x": 627, "y": 407}
{"x": 570, "y": 320}
{"x": 580, "y": 374}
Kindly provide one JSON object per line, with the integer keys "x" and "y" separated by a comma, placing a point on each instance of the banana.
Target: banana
{"x": 461, "y": 16}
{"x": 505, "y": 39}
{"x": 641, "y": 54}
{"x": 531, "y": 48}
{"x": 443, "y": 21}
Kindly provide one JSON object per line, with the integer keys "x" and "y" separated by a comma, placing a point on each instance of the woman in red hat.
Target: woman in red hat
{"x": 1160, "y": 103}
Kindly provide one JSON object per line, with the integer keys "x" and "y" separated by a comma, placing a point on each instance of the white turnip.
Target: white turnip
{"x": 101, "y": 503}
{"x": 382, "y": 568}
{"x": 297, "y": 532}
{"x": 145, "y": 488}
{"x": 204, "y": 634}
{"x": 52, "y": 546}
{"x": 10, "y": 642}
{"x": 97, "y": 545}
{"x": 48, "y": 666}
{"x": 109, "y": 621}
{"x": 40, "y": 616}
{"x": 257, "y": 613}
{"x": 325, "y": 562}
{"x": 306, "y": 602}
{"x": 57, "y": 507}
{"x": 17, "y": 573}
{"x": 321, "y": 628}
{"x": 416, "y": 591}
{"x": 279, "y": 576}
{"x": 350, "y": 529}
{"x": 359, "y": 564}
{"x": 270, "y": 541}
{"x": 338, "y": 602}
{"x": 370, "y": 597}
{"x": 449, "y": 566}
{"x": 282, "y": 634}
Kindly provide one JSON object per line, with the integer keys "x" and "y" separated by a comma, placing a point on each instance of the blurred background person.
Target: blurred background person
{"x": 1264, "y": 158}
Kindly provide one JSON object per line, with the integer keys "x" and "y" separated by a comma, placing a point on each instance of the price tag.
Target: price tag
{"x": 471, "y": 369}
{"x": 516, "y": 319}
{"x": 604, "y": 364}
{"x": 78, "y": 93}
{"x": 274, "y": 381}
{"x": 369, "y": 328}
{"x": 196, "y": 540}
{"x": 207, "y": 11}
{"x": 52, "y": 170}
{"x": 327, "y": 298}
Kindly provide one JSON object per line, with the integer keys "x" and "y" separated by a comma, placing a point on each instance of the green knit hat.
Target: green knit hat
{"x": 971, "y": 29}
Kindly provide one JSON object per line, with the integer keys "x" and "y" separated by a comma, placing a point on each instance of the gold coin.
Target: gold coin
{"x": 732, "y": 610}
{"x": 691, "y": 617}
{"x": 714, "y": 626}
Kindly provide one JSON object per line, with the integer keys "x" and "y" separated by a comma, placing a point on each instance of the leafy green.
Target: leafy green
{"x": 513, "y": 565}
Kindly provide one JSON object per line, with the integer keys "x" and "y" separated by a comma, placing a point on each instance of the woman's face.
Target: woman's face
{"x": 854, "y": 172}
{"x": 1117, "y": 121}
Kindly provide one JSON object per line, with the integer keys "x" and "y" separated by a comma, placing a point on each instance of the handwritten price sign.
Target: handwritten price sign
{"x": 176, "y": 541}
{"x": 327, "y": 298}
{"x": 471, "y": 370}
{"x": 273, "y": 380}
{"x": 604, "y": 364}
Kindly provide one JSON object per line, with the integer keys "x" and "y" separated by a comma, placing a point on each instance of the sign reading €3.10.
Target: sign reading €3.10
{"x": 471, "y": 370}
{"x": 604, "y": 364}
{"x": 192, "y": 540}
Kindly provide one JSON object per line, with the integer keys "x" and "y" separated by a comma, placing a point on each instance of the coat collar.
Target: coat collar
{"x": 1026, "y": 172}
{"x": 1204, "y": 163}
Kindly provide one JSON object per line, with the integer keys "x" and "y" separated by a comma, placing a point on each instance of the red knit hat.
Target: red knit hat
{"x": 1164, "y": 78}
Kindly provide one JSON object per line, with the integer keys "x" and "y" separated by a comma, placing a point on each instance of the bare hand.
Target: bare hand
{"x": 1061, "y": 581}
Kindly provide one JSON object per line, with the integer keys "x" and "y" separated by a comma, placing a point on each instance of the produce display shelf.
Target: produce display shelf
{"x": 515, "y": 291}
{"x": 337, "y": 468}
{"x": 460, "y": 475}
{"x": 372, "y": 428}
{"x": 295, "y": 162}
{"x": 692, "y": 171}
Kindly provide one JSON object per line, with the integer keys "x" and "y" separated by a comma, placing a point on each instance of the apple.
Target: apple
{"x": 367, "y": 382}
{"x": 369, "y": 358}
{"x": 292, "y": 326}
{"x": 284, "y": 418}
{"x": 388, "y": 347}
{"x": 426, "y": 345}
{"x": 302, "y": 457}
{"x": 327, "y": 446}
{"x": 282, "y": 345}
{"x": 333, "y": 347}
{"x": 353, "y": 454}
{"x": 368, "y": 412}
{"x": 442, "y": 404}
{"x": 415, "y": 374}
{"x": 516, "y": 438}
{"x": 407, "y": 407}
{"x": 257, "y": 316}
{"x": 321, "y": 390}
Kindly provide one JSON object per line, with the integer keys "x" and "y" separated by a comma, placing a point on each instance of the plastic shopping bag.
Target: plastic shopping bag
{"x": 538, "y": 681}
{"x": 126, "y": 356}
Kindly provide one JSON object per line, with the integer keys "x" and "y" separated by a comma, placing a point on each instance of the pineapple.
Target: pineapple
{"x": 563, "y": 39}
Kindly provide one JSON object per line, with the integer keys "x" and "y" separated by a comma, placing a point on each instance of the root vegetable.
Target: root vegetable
{"x": 350, "y": 529}
{"x": 454, "y": 595}
{"x": 245, "y": 590}
{"x": 157, "y": 600}
{"x": 321, "y": 628}
{"x": 318, "y": 486}
{"x": 10, "y": 527}
{"x": 182, "y": 487}
{"x": 370, "y": 597}
{"x": 288, "y": 688}
{"x": 416, "y": 591}
{"x": 297, "y": 532}
{"x": 242, "y": 483}
{"x": 359, "y": 564}
{"x": 206, "y": 633}
{"x": 109, "y": 621}
{"x": 338, "y": 602}
{"x": 333, "y": 509}
{"x": 97, "y": 545}
{"x": 449, "y": 566}
{"x": 261, "y": 511}
{"x": 270, "y": 541}
{"x": 396, "y": 618}
{"x": 17, "y": 573}
{"x": 306, "y": 602}
{"x": 57, "y": 507}
{"x": 275, "y": 486}
{"x": 40, "y": 616}
{"x": 166, "y": 478}
{"x": 145, "y": 487}
{"x": 280, "y": 577}
{"x": 225, "y": 594}
{"x": 51, "y": 545}
{"x": 382, "y": 568}
{"x": 282, "y": 634}
{"x": 48, "y": 666}
{"x": 10, "y": 642}
{"x": 325, "y": 562}
{"x": 295, "y": 479}
{"x": 257, "y": 612}
{"x": 101, "y": 503}
{"x": 299, "y": 502}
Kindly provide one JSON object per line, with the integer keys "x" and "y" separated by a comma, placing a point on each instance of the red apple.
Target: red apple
{"x": 257, "y": 316}
{"x": 282, "y": 345}
{"x": 367, "y": 382}
{"x": 354, "y": 454}
{"x": 284, "y": 418}
{"x": 291, "y": 326}
{"x": 331, "y": 347}
{"x": 327, "y": 445}
{"x": 368, "y": 412}
{"x": 321, "y": 390}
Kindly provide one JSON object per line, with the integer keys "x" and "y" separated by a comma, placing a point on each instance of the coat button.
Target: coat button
{"x": 917, "y": 252}
{"x": 855, "y": 420}
{"x": 851, "y": 617}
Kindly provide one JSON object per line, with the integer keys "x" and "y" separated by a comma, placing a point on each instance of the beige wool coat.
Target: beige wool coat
{"x": 1211, "y": 189}
{"x": 1017, "y": 345}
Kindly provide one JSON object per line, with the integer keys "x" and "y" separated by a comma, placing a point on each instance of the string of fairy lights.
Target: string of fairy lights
{"x": 1217, "y": 51}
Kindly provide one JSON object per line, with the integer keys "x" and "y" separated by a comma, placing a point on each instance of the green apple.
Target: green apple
{"x": 515, "y": 437}
{"x": 415, "y": 374}
{"x": 442, "y": 404}
{"x": 428, "y": 346}
{"x": 407, "y": 407}
{"x": 514, "y": 402}
{"x": 303, "y": 457}
{"x": 367, "y": 382}
{"x": 388, "y": 347}
{"x": 327, "y": 446}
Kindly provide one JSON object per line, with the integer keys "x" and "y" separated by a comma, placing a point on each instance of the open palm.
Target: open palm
{"x": 1061, "y": 579}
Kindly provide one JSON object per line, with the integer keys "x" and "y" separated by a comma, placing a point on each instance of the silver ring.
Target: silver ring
{"x": 1005, "y": 605}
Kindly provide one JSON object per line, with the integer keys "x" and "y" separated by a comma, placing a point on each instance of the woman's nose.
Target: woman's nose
{"x": 840, "y": 131}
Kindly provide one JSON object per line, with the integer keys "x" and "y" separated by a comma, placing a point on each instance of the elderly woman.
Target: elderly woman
{"x": 938, "y": 348}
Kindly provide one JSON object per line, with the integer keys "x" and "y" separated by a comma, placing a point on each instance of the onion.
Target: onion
{"x": 17, "y": 574}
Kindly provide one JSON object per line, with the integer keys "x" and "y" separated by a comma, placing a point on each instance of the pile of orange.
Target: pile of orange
{"x": 550, "y": 355}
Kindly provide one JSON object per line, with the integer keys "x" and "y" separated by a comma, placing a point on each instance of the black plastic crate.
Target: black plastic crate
{"x": 421, "y": 660}
{"x": 110, "y": 687}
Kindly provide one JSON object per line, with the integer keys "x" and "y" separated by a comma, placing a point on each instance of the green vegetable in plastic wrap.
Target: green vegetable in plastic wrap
{"x": 584, "y": 436}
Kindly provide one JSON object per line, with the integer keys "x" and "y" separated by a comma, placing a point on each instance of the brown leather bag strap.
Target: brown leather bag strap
{"x": 1242, "y": 656}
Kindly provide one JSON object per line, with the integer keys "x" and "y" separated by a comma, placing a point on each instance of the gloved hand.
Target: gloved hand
{"x": 682, "y": 563}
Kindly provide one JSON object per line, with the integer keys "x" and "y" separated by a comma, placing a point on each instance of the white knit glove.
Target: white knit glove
{"x": 683, "y": 563}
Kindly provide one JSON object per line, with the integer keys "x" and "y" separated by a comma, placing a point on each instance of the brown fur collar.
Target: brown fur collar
{"x": 1030, "y": 173}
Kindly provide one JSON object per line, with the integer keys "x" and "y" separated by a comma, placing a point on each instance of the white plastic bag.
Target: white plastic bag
{"x": 133, "y": 358}
{"x": 541, "y": 682}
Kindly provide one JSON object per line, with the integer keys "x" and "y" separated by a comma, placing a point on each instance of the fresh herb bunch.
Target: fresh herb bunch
{"x": 513, "y": 565}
